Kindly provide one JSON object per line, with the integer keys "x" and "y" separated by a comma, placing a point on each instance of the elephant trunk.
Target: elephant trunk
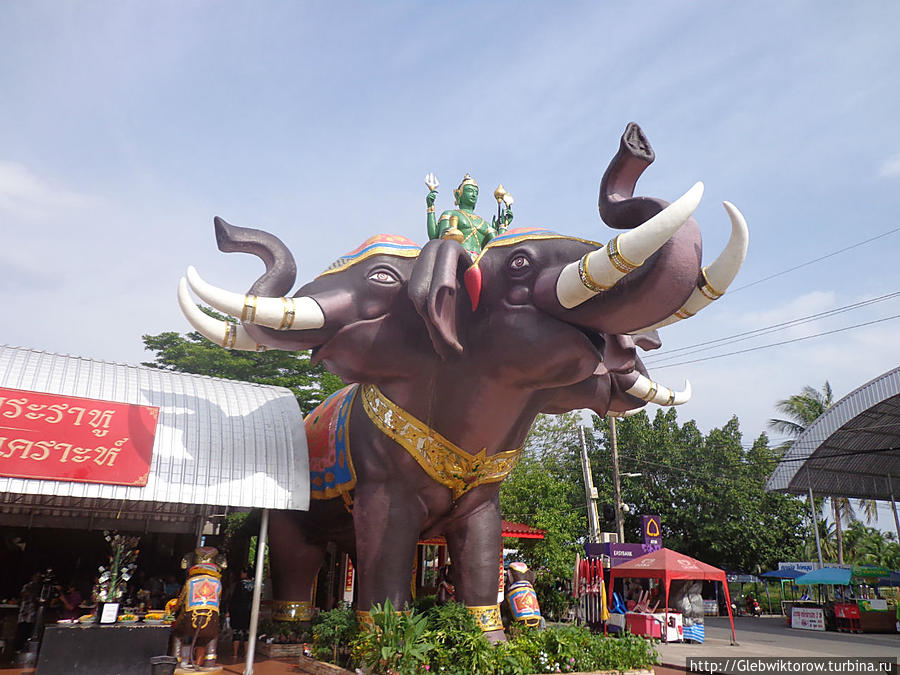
{"x": 281, "y": 270}
{"x": 262, "y": 314}
{"x": 618, "y": 206}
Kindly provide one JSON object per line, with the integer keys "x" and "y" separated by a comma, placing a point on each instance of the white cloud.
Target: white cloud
{"x": 25, "y": 195}
{"x": 890, "y": 168}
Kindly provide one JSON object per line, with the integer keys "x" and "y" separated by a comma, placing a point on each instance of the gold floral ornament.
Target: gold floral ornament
{"x": 292, "y": 610}
{"x": 487, "y": 616}
{"x": 439, "y": 457}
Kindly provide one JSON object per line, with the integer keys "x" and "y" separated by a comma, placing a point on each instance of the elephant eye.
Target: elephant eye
{"x": 519, "y": 263}
{"x": 383, "y": 276}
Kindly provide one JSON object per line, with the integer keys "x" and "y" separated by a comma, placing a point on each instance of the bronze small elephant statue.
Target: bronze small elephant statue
{"x": 520, "y": 596}
{"x": 196, "y": 609}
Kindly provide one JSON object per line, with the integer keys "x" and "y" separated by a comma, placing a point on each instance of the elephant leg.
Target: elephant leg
{"x": 178, "y": 648}
{"x": 295, "y": 562}
{"x": 211, "y": 655}
{"x": 475, "y": 547}
{"x": 388, "y": 520}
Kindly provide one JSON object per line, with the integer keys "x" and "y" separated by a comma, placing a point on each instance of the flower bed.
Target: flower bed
{"x": 447, "y": 640}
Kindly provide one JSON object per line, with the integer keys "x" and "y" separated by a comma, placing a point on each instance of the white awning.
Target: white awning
{"x": 218, "y": 442}
{"x": 851, "y": 450}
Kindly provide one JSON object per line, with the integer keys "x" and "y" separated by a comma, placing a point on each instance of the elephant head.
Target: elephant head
{"x": 386, "y": 309}
{"x": 584, "y": 307}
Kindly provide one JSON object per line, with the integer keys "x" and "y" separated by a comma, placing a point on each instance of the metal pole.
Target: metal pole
{"x": 257, "y": 590}
{"x": 590, "y": 492}
{"x": 200, "y": 526}
{"x": 617, "y": 489}
{"x": 812, "y": 510}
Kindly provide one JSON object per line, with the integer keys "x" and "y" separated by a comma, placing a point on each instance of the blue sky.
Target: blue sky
{"x": 126, "y": 126}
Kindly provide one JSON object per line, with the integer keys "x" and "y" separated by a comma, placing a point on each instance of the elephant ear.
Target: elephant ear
{"x": 434, "y": 288}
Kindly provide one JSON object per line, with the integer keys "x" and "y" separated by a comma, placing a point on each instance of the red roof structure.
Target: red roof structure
{"x": 667, "y": 564}
{"x": 510, "y": 530}
{"x": 522, "y": 531}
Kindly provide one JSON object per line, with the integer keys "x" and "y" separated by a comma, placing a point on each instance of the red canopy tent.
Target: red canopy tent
{"x": 667, "y": 564}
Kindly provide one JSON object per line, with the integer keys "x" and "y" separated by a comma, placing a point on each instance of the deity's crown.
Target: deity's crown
{"x": 467, "y": 180}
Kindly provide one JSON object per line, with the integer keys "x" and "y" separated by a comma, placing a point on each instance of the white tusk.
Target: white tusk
{"x": 717, "y": 277}
{"x": 600, "y": 270}
{"x": 228, "y": 335}
{"x": 280, "y": 313}
{"x": 627, "y": 413}
{"x": 648, "y": 390}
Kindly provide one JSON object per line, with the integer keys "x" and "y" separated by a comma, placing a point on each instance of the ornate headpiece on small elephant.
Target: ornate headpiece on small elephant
{"x": 204, "y": 560}
{"x": 467, "y": 180}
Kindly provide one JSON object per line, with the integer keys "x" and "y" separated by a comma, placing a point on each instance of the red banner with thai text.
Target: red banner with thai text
{"x": 55, "y": 437}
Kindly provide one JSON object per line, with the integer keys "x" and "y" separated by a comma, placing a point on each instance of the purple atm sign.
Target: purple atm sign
{"x": 651, "y": 532}
{"x": 622, "y": 553}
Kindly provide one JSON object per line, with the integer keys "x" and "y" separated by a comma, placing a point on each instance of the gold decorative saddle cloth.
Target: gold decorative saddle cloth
{"x": 331, "y": 466}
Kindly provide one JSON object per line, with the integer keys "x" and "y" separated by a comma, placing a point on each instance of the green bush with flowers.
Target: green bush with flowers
{"x": 446, "y": 640}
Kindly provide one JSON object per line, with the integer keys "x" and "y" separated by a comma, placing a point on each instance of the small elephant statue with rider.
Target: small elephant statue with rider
{"x": 520, "y": 596}
{"x": 196, "y": 610}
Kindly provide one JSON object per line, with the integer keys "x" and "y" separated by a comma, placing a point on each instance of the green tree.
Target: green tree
{"x": 193, "y": 353}
{"x": 708, "y": 491}
{"x": 544, "y": 491}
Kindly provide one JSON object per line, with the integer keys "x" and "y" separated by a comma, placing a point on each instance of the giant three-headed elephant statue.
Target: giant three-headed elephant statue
{"x": 449, "y": 361}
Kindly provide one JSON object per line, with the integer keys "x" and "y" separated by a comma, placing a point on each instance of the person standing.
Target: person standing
{"x": 70, "y": 599}
{"x": 28, "y": 600}
{"x": 239, "y": 611}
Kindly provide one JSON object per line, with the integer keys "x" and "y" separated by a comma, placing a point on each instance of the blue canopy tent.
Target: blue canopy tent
{"x": 826, "y": 576}
{"x": 782, "y": 576}
{"x": 829, "y": 576}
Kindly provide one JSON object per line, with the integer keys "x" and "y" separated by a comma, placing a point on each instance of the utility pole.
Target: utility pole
{"x": 617, "y": 488}
{"x": 590, "y": 492}
{"x": 815, "y": 522}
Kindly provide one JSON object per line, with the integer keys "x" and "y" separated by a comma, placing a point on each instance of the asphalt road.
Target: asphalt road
{"x": 768, "y": 636}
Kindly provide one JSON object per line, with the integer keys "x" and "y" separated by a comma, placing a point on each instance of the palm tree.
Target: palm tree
{"x": 802, "y": 410}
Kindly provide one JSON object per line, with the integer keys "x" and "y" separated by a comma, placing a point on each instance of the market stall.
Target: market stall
{"x": 782, "y": 576}
{"x": 104, "y": 446}
{"x": 850, "y": 602}
{"x": 668, "y": 565}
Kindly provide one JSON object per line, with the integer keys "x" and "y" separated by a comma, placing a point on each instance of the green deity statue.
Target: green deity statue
{"x": 462, "y": 224}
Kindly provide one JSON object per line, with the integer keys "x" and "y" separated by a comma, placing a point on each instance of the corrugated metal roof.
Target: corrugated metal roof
{"x": 218, "y": 442}
{"x": 852, "y": 450}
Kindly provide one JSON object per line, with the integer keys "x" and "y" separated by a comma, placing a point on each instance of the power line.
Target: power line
{"x": 815, "y": 260}
{"x": 777, "y": 344}
{"x": 653, "y": 359}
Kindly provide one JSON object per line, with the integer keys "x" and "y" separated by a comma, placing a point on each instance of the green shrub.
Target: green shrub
{"x": 332, "y": 629}
{"x": 284, "y": 632}
{"x": 396, "y": 643}
{"x": 447, "y": 641}
{"x": 423, "y": 603}
{"x": 458, "y": 647}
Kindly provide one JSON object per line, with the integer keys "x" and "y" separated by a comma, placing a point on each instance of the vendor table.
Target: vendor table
{"x": 124, "y": 649}
{"x": 651, "y": 625}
